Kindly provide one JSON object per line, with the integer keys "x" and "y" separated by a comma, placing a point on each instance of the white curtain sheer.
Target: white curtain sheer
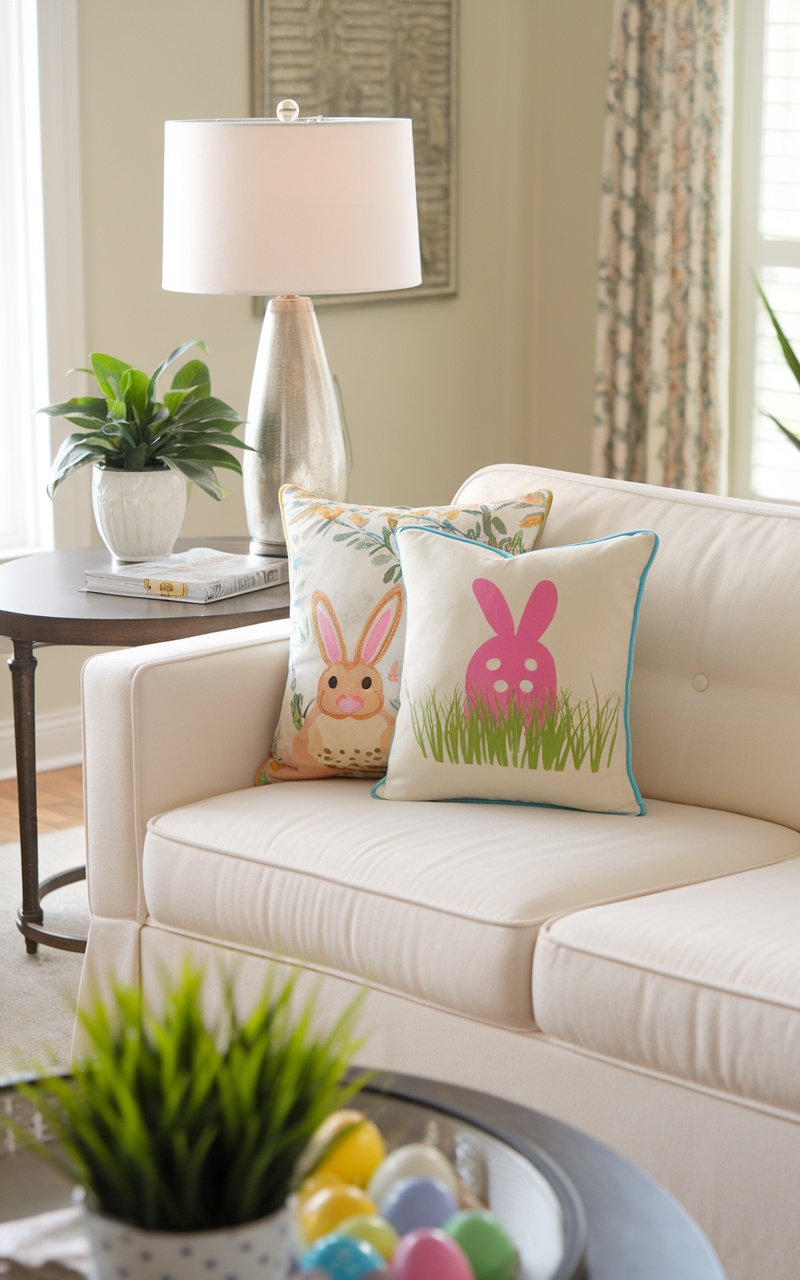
{"x": 24, "y": 518}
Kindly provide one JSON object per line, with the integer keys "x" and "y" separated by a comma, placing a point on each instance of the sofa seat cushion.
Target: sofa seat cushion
{"x": 443, "y": 903}
{"x": 700, "y": 983}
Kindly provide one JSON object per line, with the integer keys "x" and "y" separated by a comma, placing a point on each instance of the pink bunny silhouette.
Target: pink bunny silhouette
{"x": 514, "y": 666}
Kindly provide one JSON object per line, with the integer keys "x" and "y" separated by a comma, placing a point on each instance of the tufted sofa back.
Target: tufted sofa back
{"x": 715, "y": 693}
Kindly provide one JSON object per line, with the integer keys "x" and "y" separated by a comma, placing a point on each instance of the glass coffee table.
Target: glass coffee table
{"x": 575, "y": 1209}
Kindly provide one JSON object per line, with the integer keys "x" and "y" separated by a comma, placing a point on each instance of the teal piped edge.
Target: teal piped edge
{"x": 506, "y": 555}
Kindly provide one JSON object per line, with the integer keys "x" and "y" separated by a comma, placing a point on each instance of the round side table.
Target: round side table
{"x": 43, "y": 602}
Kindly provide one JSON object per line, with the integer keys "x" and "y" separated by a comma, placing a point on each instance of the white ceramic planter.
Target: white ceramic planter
{"x": 139, "y": 513}
{"x": 264, "y": 1250}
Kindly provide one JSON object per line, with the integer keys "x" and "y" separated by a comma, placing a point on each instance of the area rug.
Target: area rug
{"x": 38, "y": 994}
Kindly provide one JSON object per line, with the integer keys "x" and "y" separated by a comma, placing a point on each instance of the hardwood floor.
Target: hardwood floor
{"x": 60, "y": 803}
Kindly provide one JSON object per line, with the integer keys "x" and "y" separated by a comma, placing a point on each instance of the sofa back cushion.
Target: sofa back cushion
{"x": 715, "y": 693}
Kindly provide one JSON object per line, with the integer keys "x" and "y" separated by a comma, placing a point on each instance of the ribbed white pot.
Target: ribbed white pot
{"x": 263, "y": 1250}
{"x": 139, "y": 513}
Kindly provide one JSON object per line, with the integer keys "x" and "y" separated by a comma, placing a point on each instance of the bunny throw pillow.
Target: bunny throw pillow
{"x": 348, "y": 624}
{"x": 516, "y": 672}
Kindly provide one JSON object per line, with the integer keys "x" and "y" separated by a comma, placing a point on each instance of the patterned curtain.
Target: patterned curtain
{"x": 656, "y": 403}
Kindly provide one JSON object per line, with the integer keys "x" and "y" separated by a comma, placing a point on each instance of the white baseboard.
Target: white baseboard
{"x": 58, "y": 742}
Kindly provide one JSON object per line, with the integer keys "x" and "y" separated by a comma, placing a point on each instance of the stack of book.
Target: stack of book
{"x": 199, "y": 576}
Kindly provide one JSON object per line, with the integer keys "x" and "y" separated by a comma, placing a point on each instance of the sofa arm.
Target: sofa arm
{"x": 166, "y": 725}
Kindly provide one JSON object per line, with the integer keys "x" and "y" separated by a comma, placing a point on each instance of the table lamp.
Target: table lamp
{"x": 290, "y": 207}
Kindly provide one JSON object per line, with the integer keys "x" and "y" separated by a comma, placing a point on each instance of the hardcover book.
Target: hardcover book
{"x": 198, "y": 576}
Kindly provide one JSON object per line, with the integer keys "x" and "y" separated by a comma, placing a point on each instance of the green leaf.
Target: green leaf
{"x": 135, "y": 458}
{"x": 73, "y": 454}
{"x": 90, "y": 406}
{"x": 790, "y": 435}
{"x": 786, "y": 347}
{"x": 134, "y": 386}
{"x": 193, "y": 377}
{"x": 207, "y": 409}
{"x": 199, "y": 474}
{"x": 108, "y": 371}
{"x": 173, "y": 356}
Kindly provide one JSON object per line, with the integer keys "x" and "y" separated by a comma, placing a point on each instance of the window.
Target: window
{"x": 765, "y": 464}
{"x": 41, "y": 266}
{"x": 24, "y": 520}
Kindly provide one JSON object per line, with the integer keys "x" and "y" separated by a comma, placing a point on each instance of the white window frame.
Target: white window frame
{"x": 57, "y": 38}
{"x": 751, "y": 252}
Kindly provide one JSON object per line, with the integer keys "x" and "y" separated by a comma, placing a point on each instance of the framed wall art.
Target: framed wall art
{"x": 374, "y": 58}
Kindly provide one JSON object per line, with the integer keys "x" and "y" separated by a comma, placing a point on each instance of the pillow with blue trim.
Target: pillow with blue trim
{"x": 516, "y": 672}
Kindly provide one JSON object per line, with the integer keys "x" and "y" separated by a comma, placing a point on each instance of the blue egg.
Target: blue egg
{"x": 343, "y": 1258}
{"x": 413, "y": 1203}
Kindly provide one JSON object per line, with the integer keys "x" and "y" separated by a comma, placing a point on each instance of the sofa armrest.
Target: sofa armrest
{"x": 165, "y": 725}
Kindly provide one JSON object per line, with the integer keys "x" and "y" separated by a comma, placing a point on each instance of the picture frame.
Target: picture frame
{"x": 374, "y": 58}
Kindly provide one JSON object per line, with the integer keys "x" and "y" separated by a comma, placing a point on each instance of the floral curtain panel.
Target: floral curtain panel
{"x": 656, "y": 403}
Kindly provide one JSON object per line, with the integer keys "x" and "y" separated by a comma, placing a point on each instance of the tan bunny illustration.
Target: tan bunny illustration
{"x": 348, "y": 728}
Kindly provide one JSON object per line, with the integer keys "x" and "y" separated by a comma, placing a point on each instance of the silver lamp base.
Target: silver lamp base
{"x": 294, "y": 420}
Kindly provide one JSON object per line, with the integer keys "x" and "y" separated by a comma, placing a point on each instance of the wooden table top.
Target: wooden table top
{"x": 42, "y": 599}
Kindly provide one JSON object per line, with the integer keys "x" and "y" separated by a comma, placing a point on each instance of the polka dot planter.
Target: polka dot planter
{"x": 263, "y": 1250}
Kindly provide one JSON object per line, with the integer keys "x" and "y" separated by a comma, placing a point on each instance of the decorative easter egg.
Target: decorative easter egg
{"x": 342, "y": 1258}
{"x": 415, "y": 1160}
{"x": 376, "y": 1230}
{"x": 356, "y": 1156}
{"x": 322, "y": 1212}
{"x": 491, "y": 1251}
{"x": 315, "y": 1183}
{"x": 412, "y": 1203}
{"x": 430, "y": 1254}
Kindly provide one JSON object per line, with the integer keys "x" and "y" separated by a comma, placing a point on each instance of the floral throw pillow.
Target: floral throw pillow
{"x": 516, "y": 673}
{"x": 348, "y": 623}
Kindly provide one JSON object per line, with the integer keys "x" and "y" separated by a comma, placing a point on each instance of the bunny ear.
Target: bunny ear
{"x": 538, "y": 612}
{"x": 380, "y": 627}
{"x": 327, "y": 629}
{"x": 494, "y": 605}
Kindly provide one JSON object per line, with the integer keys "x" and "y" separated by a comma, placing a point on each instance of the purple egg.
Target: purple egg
{"x": 413, "y": 1203}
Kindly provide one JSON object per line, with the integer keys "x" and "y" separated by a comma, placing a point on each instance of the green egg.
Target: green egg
{"x": 487, "y": 1244}
{"x": 374, "y": 1229}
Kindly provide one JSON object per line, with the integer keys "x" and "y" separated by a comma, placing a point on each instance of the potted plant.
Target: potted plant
{"x": 186, "y": 1138}
{"x": 144, "y": 450}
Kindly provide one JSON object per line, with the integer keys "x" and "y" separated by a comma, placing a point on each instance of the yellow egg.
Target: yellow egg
{"x": 375, "y": 1230}
{"x": 357, "y": 1155}
{"x": 322, "y": 1212}
{"x": 314, "y": 1183}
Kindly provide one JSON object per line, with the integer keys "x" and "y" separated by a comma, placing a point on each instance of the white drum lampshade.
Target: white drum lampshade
{"x": 290, "y": 207}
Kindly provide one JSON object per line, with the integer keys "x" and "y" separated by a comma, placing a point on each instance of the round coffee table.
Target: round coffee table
{"x": 622, "y": 1225}
{"x": 42, "y": 602}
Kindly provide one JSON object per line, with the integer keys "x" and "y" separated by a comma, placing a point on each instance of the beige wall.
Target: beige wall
{"x": 433, "y": 388}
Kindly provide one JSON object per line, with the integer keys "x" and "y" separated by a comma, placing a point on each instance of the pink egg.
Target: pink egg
{"x": 430, "y": 1254}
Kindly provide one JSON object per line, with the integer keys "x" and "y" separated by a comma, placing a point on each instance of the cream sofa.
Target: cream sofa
{"x": 638, "y": 977}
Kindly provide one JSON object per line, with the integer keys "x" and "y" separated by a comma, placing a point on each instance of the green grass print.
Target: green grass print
{"x": 577, "y": 732}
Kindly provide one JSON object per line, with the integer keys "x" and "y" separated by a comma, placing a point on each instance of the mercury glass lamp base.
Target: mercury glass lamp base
{"x": 294, "y": 422}
{"x": 260, "y": 548}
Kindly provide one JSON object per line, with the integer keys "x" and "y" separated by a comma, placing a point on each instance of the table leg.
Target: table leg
{"x": 23, "y": 668}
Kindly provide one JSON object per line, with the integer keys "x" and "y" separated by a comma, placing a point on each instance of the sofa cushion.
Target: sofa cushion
{"x": 700, "y": 983}
{"x": 516, "y": 672}
{"x": 443, "y": 903}
{"x": 348, "y": 627}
